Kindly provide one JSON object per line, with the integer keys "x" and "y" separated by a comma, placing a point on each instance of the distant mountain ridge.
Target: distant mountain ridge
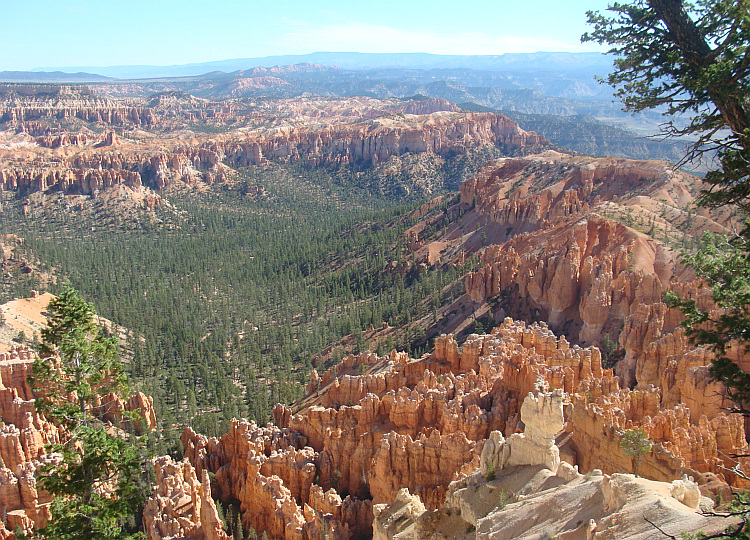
{"x": 51, "y": 76}
{"x": 556, "y": 94}
{"x": 553, "y": 61}
{"x": 570, "y": 108}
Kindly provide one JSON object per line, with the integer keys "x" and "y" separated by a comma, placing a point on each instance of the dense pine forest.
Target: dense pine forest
{"x": 227, "y": 293}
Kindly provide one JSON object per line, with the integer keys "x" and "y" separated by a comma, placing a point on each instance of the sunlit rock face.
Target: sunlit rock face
{"x": 421, "y": 424}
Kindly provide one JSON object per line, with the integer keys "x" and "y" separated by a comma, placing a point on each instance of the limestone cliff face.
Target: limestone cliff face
{"x": 92, "y": 167}
{"x": 577, "y": 273}
{"x": 271, "y": 472}
{"x": 565, "y": 254}
{"x": 84, "y": 181}
{"x": 702, "y": 446}
{"x": 439, "y": 133}
{"x": 55, "y": 138}
{"x": 105, "y": 113}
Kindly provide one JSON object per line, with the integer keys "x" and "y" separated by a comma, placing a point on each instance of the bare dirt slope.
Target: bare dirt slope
{"x": 24, "y": 315}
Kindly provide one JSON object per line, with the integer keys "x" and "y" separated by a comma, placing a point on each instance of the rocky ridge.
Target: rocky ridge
{"x": 588, "y": 246}
{"x": 522, "y": 490}
{"x": 586, "y": 255}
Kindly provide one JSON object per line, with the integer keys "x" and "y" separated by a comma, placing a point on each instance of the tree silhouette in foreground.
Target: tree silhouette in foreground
{"x": 692, "y": 61}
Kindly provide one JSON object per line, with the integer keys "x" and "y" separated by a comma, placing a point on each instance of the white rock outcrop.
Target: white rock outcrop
{"x": 543, "y": 419}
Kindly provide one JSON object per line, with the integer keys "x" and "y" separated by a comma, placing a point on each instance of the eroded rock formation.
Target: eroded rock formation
{"x": 422, "y": 423}
{"x": 529, "y": 495}
{"x": 530, "y": 502}
{"x": 181, "y": 506}
{"x": 88, "y": 168}
{"x": 24, "y": 433}
{"x": 24, "y": 105}
{"x": 589, "y": 246}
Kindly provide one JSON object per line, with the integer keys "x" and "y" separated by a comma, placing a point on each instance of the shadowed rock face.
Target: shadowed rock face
{"x": 574, "y": 249}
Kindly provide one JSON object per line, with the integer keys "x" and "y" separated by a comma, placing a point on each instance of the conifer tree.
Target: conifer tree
{"x": 96, "y": 484}
{"x": 692, "y": 60}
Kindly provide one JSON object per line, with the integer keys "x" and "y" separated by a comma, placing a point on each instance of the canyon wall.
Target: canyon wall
{"x": 208, "y": 159}
{"x": 590, "y": 246}
{"x": 26, "y": 103}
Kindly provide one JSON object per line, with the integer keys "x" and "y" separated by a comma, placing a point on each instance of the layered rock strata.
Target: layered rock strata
{"x": 30, "y": 103}
{"x": 104, "y": 165}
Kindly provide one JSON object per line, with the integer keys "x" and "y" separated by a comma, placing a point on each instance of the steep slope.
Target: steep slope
{"x": 587, "y": 245}
{"x": 22, "y": 319}
{"x": 20, "y": 270}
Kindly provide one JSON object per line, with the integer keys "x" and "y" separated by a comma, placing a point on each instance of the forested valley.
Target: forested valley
{"x": 226, "y": 293}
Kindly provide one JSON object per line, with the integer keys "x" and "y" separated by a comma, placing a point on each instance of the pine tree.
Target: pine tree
{"x": 635, "y": 444}
{"x": 97, "y": 485}
{"x": 694, "y": 59}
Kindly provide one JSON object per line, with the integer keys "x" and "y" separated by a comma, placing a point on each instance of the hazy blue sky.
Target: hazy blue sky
{"x": 163, "y": 32}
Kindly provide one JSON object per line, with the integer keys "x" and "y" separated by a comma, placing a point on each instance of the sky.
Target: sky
{"x": 64, "y": 33}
